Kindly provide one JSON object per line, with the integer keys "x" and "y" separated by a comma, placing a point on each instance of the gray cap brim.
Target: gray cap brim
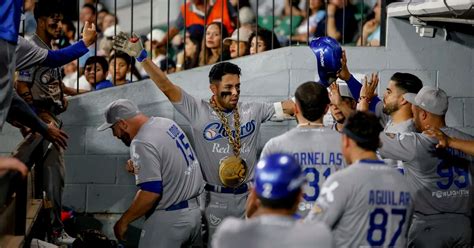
{"x": 410, "y": 97}
{"x": 104, "y": 126}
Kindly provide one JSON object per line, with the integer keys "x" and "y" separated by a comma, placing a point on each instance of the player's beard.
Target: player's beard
{"x": 224, "y": 98}
{"x": 389, "y": 109}
{"x": 125, "y": 138}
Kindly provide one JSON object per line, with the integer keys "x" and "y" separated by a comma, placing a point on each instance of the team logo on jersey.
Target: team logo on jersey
{"x": 215, "y": 130}
{"x": 214, "y": 220}
{"x": 327, "y": 191}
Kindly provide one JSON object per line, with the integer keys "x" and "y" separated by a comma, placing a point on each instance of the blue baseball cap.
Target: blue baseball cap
{"x": 328, "y": 54}
{"x": 277, "y": 176}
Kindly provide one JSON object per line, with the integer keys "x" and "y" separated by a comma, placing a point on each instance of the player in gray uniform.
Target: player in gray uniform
{"x": 166, "y": 172}
{"x": 347, "y": 101}
{"x": 368, "y": 203}
{"x": 439, "y": 178}
{"x": 225, "y": 131}
{"x": 316, "y": 148}
{"x": 278, "y": 188}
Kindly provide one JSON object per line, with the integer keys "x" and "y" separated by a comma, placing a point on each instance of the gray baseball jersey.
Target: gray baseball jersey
{"x": 439, "y": 179}
{"x": 271, "y": 231}
{"x": 45, "y": 83}
{"x": 210, "y": 138}
{"x": 28, "y": 54}
{"x": 407, "y": 126}
{"x": 366, "y": 204}
{"x": 161, "y": 152}
{"x": 318, "y": 150}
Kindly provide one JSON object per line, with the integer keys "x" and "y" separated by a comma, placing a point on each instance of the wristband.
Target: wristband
{"x": 142, "y": 56}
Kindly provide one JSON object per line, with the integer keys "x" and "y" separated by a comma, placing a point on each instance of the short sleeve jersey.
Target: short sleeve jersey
{"x": 161, "y": 152}
{"x": 317, "y": 150}
{"x": 210, "y": 138}
{"x": 439, "y": 178}
{"x": 366, "y": 204}
{"x": 45, "y": 82}
{"x": 28, "y": 54}
{"x": 271, "y": 231}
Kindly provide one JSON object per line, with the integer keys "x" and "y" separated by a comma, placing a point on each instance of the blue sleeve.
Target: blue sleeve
{"x": 153, "y": 186}
{"x": 57, "y": 58}
{"x": 355, "y": 86}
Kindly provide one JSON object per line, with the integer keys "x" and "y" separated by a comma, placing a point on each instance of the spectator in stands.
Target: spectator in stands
{"x": 69, "y": 34}
{"x": 317, "y": 12}
{"x": 100, "y": 18}
{"x": 371, "y": 29}
{"x": 88, "y": 13}
{"x": 292, "y": 8}
{"x": 119, "y": 67}
{"x": 106, "y": 43}
{"x": 70, "y": 77}
{"x": 340, "y": 20}
{"x": 168, "y": 66}
{"x": 262, "y": 40}
{"x": 30, "y": 22}
{"x": 195, "y": 12}
{"x": 238, "y": 43}
{"x": 158, "y": 51}
{"x": 213, "y": 49}
{"x": 109, "y": 21}
{"x": 192, "y": 48}
{"x": 96, "y": 72}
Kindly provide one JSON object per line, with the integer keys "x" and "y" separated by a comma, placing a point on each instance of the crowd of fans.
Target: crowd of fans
{"x": 229, "y": 29}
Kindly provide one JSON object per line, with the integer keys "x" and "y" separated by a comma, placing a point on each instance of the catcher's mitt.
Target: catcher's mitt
{"x": 232, "y": 171}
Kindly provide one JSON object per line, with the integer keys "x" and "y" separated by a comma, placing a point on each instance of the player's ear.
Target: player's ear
{"x": 213, "y": 87}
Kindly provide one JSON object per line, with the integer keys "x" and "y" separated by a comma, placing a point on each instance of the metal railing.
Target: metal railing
{"x": 287, "y": 33}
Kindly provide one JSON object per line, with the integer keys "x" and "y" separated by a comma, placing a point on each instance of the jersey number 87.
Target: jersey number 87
{"x": 378, "y": 226}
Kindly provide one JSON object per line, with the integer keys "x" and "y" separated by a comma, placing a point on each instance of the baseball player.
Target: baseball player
{"x": 20, "y": 55}
{"x": 439, "y": 178}
{"x": 225, "y": 131}
{"x": 347, "y": 101}
{"x": 316, "y": 148}
{"x": 278, "y": 188}
{"x": 166, "y": 172}
{"x": 368, "y": 203}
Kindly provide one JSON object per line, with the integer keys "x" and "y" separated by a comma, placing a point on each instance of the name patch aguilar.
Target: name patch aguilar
{"x": 389, "y": 197}
{"x": 215, "y": 130}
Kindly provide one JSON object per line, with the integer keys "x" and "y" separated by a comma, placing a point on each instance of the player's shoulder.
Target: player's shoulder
{"x": 457, "y": 133}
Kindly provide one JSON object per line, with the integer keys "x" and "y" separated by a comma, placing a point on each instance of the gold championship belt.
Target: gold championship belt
{"x": 232, "y": 169}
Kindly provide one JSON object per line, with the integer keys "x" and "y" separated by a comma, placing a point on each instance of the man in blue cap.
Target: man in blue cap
{"x": 277, "y": 192}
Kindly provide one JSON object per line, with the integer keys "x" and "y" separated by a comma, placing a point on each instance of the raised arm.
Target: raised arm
{"x": 466, "y": 146}
{"x": 133, "y": 47}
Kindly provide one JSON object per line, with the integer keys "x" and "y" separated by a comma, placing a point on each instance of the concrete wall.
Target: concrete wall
{"x": 96, "y": 181}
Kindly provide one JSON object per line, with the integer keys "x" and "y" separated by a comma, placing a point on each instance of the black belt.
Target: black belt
{"x": 227, "y": 190}
{"x": 181, "y": 205}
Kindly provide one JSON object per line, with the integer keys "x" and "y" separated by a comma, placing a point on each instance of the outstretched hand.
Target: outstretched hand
{"x": 443, "y": 139}
{"x": 57, "y": 136}
{"x": 7, "y": 164}
{"x": 335, "y": 94}
{"x": 369, "y": 86}
{"x": 89, "y": 34}
{"x": 344, "y": 73}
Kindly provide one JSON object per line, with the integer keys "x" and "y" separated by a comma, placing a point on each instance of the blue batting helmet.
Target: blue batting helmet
{"x": 278, "y": 176}
{"x": 328, "y": 54}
